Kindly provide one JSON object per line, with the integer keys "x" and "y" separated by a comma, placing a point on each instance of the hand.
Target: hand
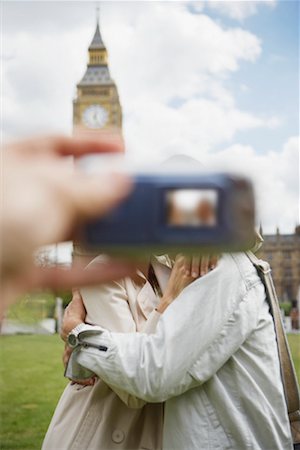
{"x": 74, "y": 315}
{"x": 201, "y": 265}
{"x": 66, "y": 356}
{"x": 45, "y": 199}
{"x": 184, "y": 272}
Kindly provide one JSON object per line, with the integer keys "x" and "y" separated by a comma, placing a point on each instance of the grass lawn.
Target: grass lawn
{"x": 294, "y": 341}
{"x": 31, "y": 383}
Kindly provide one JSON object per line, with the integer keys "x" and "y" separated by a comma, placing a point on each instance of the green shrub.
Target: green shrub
{"x": 286, "y": 306}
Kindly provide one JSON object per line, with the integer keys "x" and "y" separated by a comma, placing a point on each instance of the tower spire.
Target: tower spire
{"x": 97, "y": 14}
{"x": 97, "y": 41}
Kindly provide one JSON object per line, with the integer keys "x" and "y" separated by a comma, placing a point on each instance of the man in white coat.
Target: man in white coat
{"x": 213, "y": 359}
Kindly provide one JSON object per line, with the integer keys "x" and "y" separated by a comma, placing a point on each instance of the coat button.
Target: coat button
{"x": 118, "y": 436}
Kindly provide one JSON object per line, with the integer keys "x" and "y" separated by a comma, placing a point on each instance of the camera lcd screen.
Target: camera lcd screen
{"x": 192, "y": 207}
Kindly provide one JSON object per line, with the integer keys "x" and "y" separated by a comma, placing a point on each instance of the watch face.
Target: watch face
{"x": 95, "y": 116}
{"x": 72, "y": 340}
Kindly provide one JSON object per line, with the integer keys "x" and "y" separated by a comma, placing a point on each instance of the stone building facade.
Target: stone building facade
{"x": 282, "y": 251}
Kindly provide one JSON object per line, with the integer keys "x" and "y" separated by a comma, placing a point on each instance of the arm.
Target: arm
{"x": 133, "y": 401}
{"x": 115, "y": 307}
{"x": 107, "y": 305}
{"x": 197, "y": 334}
{"x": 38, "y": 178}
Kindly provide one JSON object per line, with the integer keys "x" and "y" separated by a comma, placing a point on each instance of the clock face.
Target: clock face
{"x": 95, "y": 116}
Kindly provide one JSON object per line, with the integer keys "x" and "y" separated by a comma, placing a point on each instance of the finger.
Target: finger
{"x": 75, "y": 308}
{"x": 58, "y": 278}
{"x": 195, "y": 266}
{"x": 179, "y": 263}
{"x": 89, "y": 382}
{"x": 66, "y": 357}
{"x": 96, "y": 142}
{"x": 77, "y": 302}
{"x": 76, "y": 294}
{"x": 204, "y": 265}
{"x": 183, "y": 264}
{"x": 179, "y": 259}
{"x": 94, "y": 195}
{"x": 213, "y": 261}
{"x": 68, "y": 350}
{"x": 188, "y": 266}
{"x": 66, "y": 146}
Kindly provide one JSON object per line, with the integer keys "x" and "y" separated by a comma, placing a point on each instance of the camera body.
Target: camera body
{"x": 177, "y": 212}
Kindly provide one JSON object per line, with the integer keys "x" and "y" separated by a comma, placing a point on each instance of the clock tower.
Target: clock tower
{"x": 97, "y": 103}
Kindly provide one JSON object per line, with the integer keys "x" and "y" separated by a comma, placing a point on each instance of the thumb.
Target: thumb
{"x": 95, "y": 195}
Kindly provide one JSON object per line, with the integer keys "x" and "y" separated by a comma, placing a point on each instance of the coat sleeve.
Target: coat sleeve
{"x": 195, "y": 337}
{"x": 151, "y": 323}
{"x": 107, "y": 306}
{"x": 132, "y": 401}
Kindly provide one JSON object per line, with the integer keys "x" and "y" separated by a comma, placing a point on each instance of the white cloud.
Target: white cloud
{"x": 170, "y": 67}
{"x": 167, "y": 51}
{"x": 44, "y": 54}
{"x": 238, "y": 9}
{"x": 195, "y": 128}
{"x": 275, "y": 176}
{"x": 39, "y": 83}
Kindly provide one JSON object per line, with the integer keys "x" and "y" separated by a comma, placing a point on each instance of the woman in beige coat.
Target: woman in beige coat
{"x": 100, "y": 417}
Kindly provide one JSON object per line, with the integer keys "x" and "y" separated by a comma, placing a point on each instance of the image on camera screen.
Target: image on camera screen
{"x": 192, "y": 207}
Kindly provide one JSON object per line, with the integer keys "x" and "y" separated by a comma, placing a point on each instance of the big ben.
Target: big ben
{"x": 97, "y": 105}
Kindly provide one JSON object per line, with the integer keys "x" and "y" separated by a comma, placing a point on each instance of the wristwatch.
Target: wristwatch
{"x": 72, "y": 338}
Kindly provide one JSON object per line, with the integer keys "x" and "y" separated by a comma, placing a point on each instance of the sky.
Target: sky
{"x": 216, "y": 80}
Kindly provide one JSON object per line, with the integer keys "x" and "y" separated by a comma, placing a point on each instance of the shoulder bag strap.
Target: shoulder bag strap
{"x": 288, "y": 373}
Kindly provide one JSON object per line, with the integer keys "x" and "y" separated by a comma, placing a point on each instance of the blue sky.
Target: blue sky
{"x": 274, "y": 80}
{"x": 271, "y": 85}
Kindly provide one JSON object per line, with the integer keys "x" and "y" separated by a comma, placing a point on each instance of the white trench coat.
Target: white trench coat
{"x": 213, "y": 359}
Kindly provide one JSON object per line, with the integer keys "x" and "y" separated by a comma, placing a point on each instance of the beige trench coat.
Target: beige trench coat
{"x": 101, "y": 417}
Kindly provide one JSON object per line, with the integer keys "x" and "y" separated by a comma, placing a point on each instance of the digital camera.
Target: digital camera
{"x": 177, "y": 212}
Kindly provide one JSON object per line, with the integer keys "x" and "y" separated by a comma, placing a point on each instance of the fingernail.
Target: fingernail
{"x": 194, "y": 274}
